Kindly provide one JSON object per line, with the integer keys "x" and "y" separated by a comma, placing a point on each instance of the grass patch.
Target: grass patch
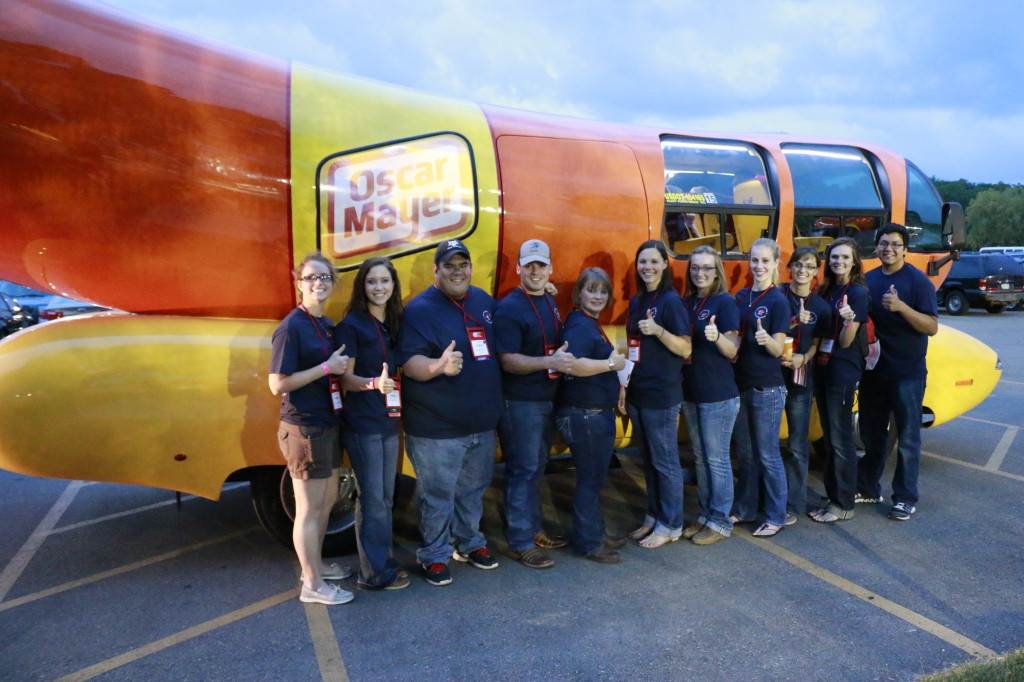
{"x": 1007, "y": 668}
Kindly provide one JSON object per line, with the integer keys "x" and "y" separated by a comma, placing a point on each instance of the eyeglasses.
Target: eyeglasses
{"x": 316, "y": 278}
{"x": 703, "y": 268}
{"x": 890, "y": 245}
{"x": 804, "y": 266}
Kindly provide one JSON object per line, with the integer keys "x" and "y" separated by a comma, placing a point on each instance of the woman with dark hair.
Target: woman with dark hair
{"x": 710, "y": 397}
{"x": 585, "y": 414}
{"x": 372, "y": 410}
{"x": 839, "y": 365}
{"x": 764, "y": 321}
{"x": 810, "y": 320}
{"x": 305, "y": 370}
{"x": 658, "y": 332}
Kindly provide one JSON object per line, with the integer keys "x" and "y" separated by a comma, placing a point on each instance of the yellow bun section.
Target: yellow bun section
{"x": 171, "y": 402}
{"x": 962, "y": 371}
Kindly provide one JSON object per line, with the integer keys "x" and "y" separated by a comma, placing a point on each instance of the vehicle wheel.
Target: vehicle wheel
{"x": 892, "y": 442}
{"x": 996, "y": 308}
{"x": 956, "y": 303}
{"x": 274, "y": 502}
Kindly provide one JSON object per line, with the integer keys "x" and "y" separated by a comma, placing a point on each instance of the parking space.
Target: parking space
{"x": 118, "y": 582}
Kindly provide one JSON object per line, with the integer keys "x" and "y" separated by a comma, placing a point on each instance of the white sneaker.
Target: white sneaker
{"x": 330, "y": 595}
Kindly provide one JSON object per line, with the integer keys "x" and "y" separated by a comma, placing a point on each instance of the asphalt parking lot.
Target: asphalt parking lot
{"x": 118, "y": 583}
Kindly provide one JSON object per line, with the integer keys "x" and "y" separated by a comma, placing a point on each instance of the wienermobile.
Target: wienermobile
{"x": 179, "y": 182}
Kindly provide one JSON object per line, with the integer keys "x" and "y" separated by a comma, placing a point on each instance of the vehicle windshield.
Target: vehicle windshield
{"x": 924, "y": 212}
{"x": 16, "y": 290}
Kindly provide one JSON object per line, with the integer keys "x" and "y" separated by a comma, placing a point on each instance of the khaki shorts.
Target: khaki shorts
{"x": 311, "y": 451}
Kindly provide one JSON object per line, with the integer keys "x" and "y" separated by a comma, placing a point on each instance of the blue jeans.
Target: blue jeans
{"x": 795, "y": 456}
{"x": 374, "y": 459}
{"x": 710, "y": 426}
{"x": 451, "y": 477}
{"x": 590, "y": 435}
{"x": 657, "y": 434}
{"x": 878, "y": 399}
{"x": 758, "y": 457}
{"x": 525, "y": 430}
{"x": 835, "y": 407}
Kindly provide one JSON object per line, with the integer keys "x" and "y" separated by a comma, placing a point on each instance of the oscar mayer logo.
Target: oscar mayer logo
{"x": 405, "y": 194}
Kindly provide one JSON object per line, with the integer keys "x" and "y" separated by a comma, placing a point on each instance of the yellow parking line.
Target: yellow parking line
{"x": 57, "y": 589}
{"x": 177, "y": 638}
{"x": 916, "y": 619}
{"x": 325, "y": 644}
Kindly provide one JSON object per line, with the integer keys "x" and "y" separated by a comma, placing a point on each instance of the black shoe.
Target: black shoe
{"x": 437, "y": 574}
{"x": 605, "y": 556}
{"x": 610, "y": 542}
{"x": 481, "y": 558}
{"x": 532, "y": 557}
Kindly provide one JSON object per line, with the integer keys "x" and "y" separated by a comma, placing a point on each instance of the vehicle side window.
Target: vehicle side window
{"x": 924, "y": 212}
{"x": 717, "y": 193}
{"x": 836, "y": 194}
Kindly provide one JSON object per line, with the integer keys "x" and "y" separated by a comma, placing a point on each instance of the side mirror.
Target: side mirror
{"x": 954, "y": 235}
{"x": 954, "y": 230}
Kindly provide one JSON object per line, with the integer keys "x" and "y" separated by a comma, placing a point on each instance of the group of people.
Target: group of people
{"x": 478, "y": 372}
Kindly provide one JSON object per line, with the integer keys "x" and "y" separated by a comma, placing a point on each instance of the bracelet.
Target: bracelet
{"x": 662, "y": 333}
{"x": 325, "y": 368}
{"x": 372, "y": 384}
{"x": 847, "y": 324}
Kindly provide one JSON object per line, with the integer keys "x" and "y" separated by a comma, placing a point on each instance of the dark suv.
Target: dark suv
{"x": 991, "y": 281}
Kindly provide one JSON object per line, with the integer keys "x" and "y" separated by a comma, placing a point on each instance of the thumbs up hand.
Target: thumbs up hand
{"x": 561, "y": 359}
{"x": 618, "y": 360}
{"x": 338, "y": 362}
{"x": 845, "y": 311}
{"x": 711, "y": 330}
{"x": 649, "y": 327}
{"x": 385, "y": 384}
{"x": 891, "y": 300}
{"x": 452, "y": 360}
{"x": 805, "y": 315}
{"x": 761, "y": 336}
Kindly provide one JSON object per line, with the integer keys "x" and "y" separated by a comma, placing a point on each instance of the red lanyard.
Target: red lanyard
{"x": 462, "y": 307}
{"x": 799, "y": 324}
{"x": 698, "y": 308}
{"x": 380, "y": 337}
{"x": 641, "y": 311}
{"x": 324, "y": 344}
{"x": 743, "y": 324}
{"x": 554, "y": 317}
{"x": 596, "y": 324}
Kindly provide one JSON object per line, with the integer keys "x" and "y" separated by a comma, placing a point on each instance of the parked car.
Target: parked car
{"x": 988, "y": 280}
{"x": 13, "y": 316}
{"x": 43, "y": 306}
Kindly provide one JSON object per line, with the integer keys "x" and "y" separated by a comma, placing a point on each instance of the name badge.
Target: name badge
{"x": 633, "y": 344}
{"x": 393, "y": 400}
{"x": 478, "y": 343}
{"x": 550, "y": 350}
{"x": 336, "y": 394}
{"x": 826, "y": 345}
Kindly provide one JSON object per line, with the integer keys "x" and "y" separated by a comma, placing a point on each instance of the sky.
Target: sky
{"x": 938, "y": 81}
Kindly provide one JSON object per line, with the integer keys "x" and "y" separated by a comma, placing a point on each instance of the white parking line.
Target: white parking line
{"x": 987, "y": 421}
{"x": 985, "y": 468}
{"x": 19, "y": 562}
{"x": 999, "y": 454}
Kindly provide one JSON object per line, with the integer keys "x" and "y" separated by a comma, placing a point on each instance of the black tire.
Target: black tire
{"x": 956, "y": 302}
{"x": 892, "y": 442}
{"x": 274, "y": 502}
{"x": 996, "y": 308}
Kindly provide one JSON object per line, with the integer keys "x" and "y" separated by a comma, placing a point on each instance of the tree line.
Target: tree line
{"x": 995, "y": 212}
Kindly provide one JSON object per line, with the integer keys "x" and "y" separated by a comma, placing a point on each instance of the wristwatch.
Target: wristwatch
{"x": 611, "y": 365}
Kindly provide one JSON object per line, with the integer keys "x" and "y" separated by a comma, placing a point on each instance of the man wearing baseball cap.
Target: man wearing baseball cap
{"x": 451, "y": 405}
{"x": 528, "y": 332}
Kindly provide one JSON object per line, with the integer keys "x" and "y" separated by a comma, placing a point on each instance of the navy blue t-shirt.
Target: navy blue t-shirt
{"x": 586, "y": 340}
{"x": 844, "y": 365}
{"x": 302, "y": 341}
{"x": 708, "y": 378}
{"x": 523, "y": 324}
{"x": 450, "y": 406}
{"x": 657, "y": 380}
{"x": 903, "y": 348}
{"x": 755, "y": 366}
{"x": 369, "y": 343}
{"x": 819, "y": 327}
